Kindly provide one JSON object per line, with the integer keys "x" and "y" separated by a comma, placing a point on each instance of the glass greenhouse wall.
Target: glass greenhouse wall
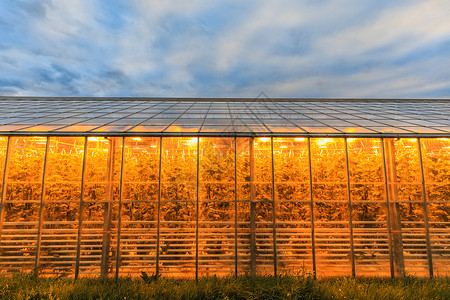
{"x": 200, "y": 206}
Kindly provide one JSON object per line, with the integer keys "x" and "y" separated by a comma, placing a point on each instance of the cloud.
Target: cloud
{"x": 341, "y": 48}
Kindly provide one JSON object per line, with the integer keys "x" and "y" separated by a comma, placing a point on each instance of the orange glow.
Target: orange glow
{"x": 190, "y": 142}
{"x": 97, "y": 139}
{"x": 323, "y": 141}
{"x": 167, "y": 181}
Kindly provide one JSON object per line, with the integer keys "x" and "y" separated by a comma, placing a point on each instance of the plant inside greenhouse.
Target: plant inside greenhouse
{"x": 104, "y": 199}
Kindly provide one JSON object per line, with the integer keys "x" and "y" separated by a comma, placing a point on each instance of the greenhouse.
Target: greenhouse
{"x": 184, "y": 187}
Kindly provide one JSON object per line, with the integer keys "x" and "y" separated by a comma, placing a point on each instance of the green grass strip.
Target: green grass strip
{"x": 24, "y": 286}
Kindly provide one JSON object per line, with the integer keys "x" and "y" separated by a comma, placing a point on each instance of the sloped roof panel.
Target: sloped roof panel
{"x": 222, "y": 116}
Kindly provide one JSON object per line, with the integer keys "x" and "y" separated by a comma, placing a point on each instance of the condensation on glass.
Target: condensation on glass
{"x": 202, "y": 206}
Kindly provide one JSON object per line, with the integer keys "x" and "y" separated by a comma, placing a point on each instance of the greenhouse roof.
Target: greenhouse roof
{"x": 224, "y": 117}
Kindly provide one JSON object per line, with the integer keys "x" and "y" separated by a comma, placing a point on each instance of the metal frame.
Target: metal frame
{"x": 235, "y": 211}
{"x": 80, "y": 214}
{"x": 313, "y": 238}
{"x": 349, "y": 194}
{"x": 197, "y": 209}
{"x": 229, "y": 134}
{"x": 122, "y": 116}
{"x": 388, "y": 216}
{"x": 425, "y": 213}
{"x": 41, "y": 207}
{"x": 275, "y": 264}
{"x": 107, "y": 215}
{"x": 119, "y": 213}
{"x": 3, "y": 195}
{"x": 252, "y": 209}
{"x": 159, "y": 207}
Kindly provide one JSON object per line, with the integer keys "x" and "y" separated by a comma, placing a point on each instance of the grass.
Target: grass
{"x": 26, "y": 286}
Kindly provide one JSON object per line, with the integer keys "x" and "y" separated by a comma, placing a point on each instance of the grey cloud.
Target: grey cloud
{"x": 341, "y": 48}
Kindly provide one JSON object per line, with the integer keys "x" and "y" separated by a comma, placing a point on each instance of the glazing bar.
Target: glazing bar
{"x": 41, "y": 207}
{"x": 80, "y": 214}
{"x": 425, "y": 213}
{"x": 352, "y": 247}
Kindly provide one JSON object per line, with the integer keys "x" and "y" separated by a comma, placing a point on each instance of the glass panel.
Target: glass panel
{"x": 139, "y": 209}
{"x": 369, "y": 219}
{"x": 3, "y": 146}
{"x": 331, "y": 212}
{"x": 21, "y": 204}
{"x": 178, "y": 207}
{"x": 216, "y": 204}
{"x": 255, "y": 223}
{"x": 101, "y": 192}
{"x": 436, "y": 158}
{"x": 406, "y": 206}
{"x": 293, "y": 208}
{"x": 62, "y": 205}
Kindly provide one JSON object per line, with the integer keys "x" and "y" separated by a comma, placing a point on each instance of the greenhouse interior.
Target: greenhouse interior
{"x": 186, "y": 188}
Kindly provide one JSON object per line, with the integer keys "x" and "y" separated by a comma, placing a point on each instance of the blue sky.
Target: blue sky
{"x": 309, "y": 48}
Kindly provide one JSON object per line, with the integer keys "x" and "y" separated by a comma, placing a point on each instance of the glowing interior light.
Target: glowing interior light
{"x": 300, "y": 139}
{"x": 351, "y": 140}
{"x": 324, "y": 141}
{"x": 97, "y": 139}
{"x": 191, "y": 141}
{"x": 264, "y": 139}
{"x": 138, "y": 139}
{"x": 412, "y": 140}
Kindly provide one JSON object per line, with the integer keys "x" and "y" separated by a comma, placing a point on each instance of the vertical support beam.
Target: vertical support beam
{"x": 394, "y": 210}
{"x": 235, "y": 211}
{"x": 350, "y": 223}
{"x": 388, "y": 218}
{"x": 158, "y": 224}
{"x": 197, "y": 210}
{"x": 106, "y": 243}
{"x": 313, "y": 241}
{"x": 252, "y": 210}
{"x": 3, "y": 197}
{"x": 41, "y": 208}
{"x": 275, "y": 263}
{"x": 119, "y": 217}
{"x": 80, "y": 212}
{"x": 425, "y": 213}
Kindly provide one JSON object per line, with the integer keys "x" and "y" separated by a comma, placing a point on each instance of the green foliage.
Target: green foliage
{"x": 149, "y": 279}
{"x": 24, "y": 286}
